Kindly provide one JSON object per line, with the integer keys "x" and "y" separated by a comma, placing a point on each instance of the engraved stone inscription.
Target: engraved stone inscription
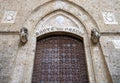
{"x": 109, "y": 17}
{"x": 52, "y": 29}
{"x": 9, "y": 17}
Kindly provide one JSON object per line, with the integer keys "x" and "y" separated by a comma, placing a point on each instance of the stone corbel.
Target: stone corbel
{"x": 95, "y": 36}
{"x": 23, "y": 35}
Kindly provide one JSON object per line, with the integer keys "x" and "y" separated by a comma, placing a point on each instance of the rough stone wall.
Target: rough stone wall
{"x": 111, "y": 50}
{"x": 8, "y": 53}
{"x": 9, "y": 42}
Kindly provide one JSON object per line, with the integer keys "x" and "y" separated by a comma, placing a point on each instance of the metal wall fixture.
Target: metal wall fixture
{"x": 23, "y": 35}
{"x": 95, "y": 36}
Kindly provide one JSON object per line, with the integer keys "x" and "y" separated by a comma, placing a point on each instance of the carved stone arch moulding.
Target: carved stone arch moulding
{"x": 60, "y": 21}
{"x": 82, "y": 21}
{"x": 51, "y": 6}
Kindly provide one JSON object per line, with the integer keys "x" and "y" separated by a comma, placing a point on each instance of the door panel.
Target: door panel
{"x": 60, "y": 59}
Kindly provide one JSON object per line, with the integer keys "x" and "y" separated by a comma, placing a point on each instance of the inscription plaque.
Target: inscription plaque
{"x": 66, "y": 29}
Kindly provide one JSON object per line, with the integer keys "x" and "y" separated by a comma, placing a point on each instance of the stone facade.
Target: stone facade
{"x": 72, "y": 17}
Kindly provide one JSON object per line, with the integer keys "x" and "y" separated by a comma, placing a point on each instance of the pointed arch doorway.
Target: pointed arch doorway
{"x": 60, "y": 59}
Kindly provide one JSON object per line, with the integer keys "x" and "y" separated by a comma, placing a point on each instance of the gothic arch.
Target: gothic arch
{"x": 41, "y": 11}
{"x": 78, "y": 13}
{"x": 79, "y": 25}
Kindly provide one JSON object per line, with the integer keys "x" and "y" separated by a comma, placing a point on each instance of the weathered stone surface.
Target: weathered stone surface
{"x": 112, "y": 56}
{"x": 77, "y": 17}
{"x": 8, "y": 53}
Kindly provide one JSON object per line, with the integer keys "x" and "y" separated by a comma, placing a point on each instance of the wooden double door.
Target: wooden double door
{"x": 60, "y": 59}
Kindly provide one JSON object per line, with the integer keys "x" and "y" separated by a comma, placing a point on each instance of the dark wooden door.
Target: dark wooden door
{"x": 60, "y": 59}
